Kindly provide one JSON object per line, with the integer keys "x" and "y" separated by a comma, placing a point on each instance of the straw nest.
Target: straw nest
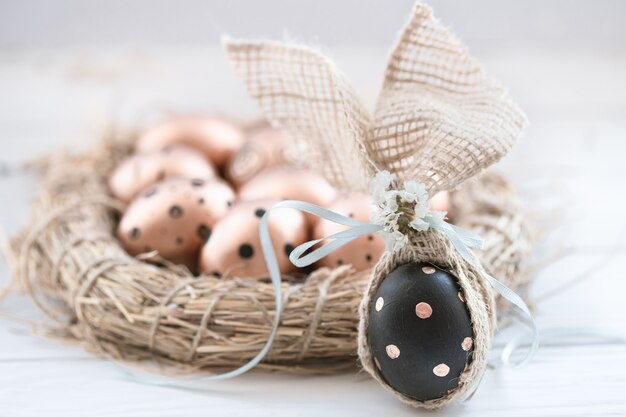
{"x": 142, "y": 308}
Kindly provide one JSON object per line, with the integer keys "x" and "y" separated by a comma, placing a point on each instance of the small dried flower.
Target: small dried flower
{"x": 399, "y": 211}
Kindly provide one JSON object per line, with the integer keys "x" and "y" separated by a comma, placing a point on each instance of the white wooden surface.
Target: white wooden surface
{"x": 570, "y": 166}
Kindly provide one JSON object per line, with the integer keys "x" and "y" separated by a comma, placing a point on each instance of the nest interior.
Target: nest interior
{"x": 142, "y": 308}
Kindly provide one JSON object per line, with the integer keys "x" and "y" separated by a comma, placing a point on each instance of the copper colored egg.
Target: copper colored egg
{"x": 139, "y": 171}
{"x": 290, "y": 184}
{"x": 175, "y": 217}
{"x": 264, "y": 148}
{"x": 363, "y": 252}
{"x": 234, "y": 249}
{"x": 217, "y": 139}
{"x": 440, "y": 202}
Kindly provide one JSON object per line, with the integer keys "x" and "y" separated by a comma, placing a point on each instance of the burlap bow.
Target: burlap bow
{"x": 439, "y": 119}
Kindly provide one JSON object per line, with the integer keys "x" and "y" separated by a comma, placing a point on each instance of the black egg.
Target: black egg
{"x": 420, "y": 332}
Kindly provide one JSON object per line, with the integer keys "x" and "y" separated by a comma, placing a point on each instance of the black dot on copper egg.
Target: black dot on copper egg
{"x": 134, "y": 233}
{"x": 150, "y": 192}
{"x": 259, "y": 212}
{"x": 216, "y": 274}
{"x": 351, "y": 215}
{"x": 288, "y": 249}
{"x": 197, "y": 182}
{"x": 339, "y": 261}
{"x": 370, "y": 237}
{"x": 229, "y": 203}
{"x": 424, "y": 320}
{"x": 160, "y": 175}
{"x": 204, "y": 232}
{"x": 201, "y": 201}
{"x": 368, "y": 257}
{"x": 176, "y": 211}
{"x": 246, "y": 251}
{"x": 179, "y": 240}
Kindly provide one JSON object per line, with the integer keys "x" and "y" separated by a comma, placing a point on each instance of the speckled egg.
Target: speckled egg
{"x": 175, "y": 217}
{"x": 216, "y": 138}
{"x": 419, "y": 331}
{"x": 290, "y": 184}
{"x": 363, "y": 252}
{"x": 139, "y": 171}
{"x": 234, "y": 249}
{"x": 265, "y": 147}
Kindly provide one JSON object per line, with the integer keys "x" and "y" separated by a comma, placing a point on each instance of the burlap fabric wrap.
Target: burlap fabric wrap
{"x": 439, "y": 120}
{"x": 451, "y": 122}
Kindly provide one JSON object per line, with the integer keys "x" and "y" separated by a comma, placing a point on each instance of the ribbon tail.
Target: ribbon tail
{"x": 512, "y": 297}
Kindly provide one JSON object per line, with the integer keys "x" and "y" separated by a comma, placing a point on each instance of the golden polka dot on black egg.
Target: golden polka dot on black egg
{"x": 441, "y": 370}
{"x": 176, "y": 211}
{"x": 246, "y": 251}
{"x": 432, "y": 331}
{"x": 467, "y": 344}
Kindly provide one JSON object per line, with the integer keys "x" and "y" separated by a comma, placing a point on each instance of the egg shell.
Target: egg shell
{"x": 264, "y": 148}
{"x": 234, "y": 248}
{"x": 419, "y": 331}
{"x": 139, "y": 171}
{"x": 289, "y": 183}
{"x": 175, "y": 217}
{"x": 363, "y": 252}
{"x": 441, "y": 202}
{"x": 216, "y": 138}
